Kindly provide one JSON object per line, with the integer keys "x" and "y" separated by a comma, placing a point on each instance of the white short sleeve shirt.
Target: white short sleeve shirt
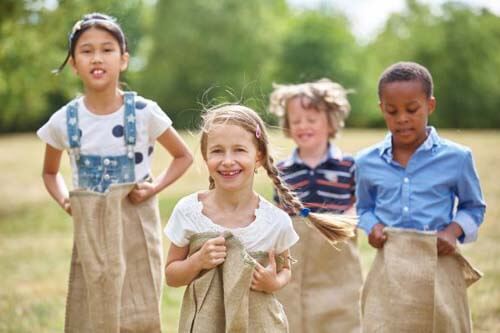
{"x": 271, "y": 229}
{"x": 103, "y": 135}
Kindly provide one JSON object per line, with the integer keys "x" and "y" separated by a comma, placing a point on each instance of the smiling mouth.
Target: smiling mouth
{"x": 305, "y": 136}
{"x": 229, "y": 173}
{"x": 97, "y": 72}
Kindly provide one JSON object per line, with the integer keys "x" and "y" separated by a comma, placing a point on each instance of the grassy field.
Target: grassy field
{"x": 36, "y": 236}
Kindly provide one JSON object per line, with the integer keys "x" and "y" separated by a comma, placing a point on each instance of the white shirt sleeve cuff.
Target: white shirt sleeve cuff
{"x": 469, "y": 227}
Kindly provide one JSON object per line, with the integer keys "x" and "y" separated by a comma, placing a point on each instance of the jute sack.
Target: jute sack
{"x": 220, "y": 299}
{"x": 410, "y": 289}
{"x": 115, "y": 279}
{"x": 323, "y": 295}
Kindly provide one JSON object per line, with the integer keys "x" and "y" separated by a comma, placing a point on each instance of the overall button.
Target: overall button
{"x": 106, "y": 161}
{"x": 311, "y": 173}
{"x": 406, "y": 180}
{"x": 406, "y": 209}
{"x": 106, "y": 177}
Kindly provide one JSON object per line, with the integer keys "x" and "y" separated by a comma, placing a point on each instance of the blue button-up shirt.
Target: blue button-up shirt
{"x": 438, "y": 186}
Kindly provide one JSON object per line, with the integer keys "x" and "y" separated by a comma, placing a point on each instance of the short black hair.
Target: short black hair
{"x": 407, "y": 71}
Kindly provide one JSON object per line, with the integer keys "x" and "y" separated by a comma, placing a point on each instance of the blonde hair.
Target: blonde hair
{"x": 322, "y": 95}
{"x": 333, "y": 227}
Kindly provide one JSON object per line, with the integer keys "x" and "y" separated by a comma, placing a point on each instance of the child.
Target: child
{"x": 115, "y": 278}
{"x": 323, "y": 295}
{"x": 417, "y": 194}
{"x": 221, "y": 237}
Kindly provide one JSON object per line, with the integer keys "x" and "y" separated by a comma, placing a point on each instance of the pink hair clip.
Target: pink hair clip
{"x": 257, "y": 132}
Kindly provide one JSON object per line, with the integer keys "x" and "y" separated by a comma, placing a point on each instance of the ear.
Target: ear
{"x": 431, "y": 104}
{"x": 380, "y": 106}
{"x": 258, "y": 160}
{"x": 124, "y": 61}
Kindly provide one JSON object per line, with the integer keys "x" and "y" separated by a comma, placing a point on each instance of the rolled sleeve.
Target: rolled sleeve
{"x": 468, "y": 225}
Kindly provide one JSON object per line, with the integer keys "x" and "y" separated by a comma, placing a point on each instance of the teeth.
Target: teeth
{"x": 97, "y": 71}
{"x": 229, "y": 173}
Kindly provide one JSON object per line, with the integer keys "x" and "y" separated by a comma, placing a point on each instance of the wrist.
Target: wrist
{"x": 455, "y": 229}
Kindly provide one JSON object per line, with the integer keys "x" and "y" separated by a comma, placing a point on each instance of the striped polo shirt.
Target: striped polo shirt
{"x": 327, "y": 187}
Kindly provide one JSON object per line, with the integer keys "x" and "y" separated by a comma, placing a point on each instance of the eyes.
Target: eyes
{"x": 222, "y": 151}
{"x": 307, "y": 120}
{"x": 393, "y": 112}
{"x": 89, "y": 50}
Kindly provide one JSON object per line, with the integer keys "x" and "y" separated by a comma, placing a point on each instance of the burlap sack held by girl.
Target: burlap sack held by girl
{"x": 116, "y": 268}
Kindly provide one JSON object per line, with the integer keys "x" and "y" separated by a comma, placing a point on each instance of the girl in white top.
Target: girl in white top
{"x": 107, "y": 142}
{"x": 234, "y": 144}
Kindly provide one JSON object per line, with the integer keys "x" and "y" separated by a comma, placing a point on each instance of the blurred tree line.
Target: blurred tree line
{"x": 188, "y": 55}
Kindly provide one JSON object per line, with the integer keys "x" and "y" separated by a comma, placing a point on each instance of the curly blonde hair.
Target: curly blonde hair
{"x": 322, "y": 95}
{"x": 333, "y": 227}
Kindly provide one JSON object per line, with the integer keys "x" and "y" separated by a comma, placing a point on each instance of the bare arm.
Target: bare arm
{"x": 52, "y": 178}
{"x": 182, "y": 159}
{"x": 180, "y": 269}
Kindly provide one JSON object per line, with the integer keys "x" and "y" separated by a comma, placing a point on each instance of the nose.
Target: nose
{"x": 228, "y": 159}
{"x": 96, "y": 57}
{"x": 402, "y": 117}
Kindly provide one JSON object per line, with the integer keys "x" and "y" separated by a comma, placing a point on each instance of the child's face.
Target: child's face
{"x": 231, "y": 157}
{"x": 309, "y": 128}
{"x": 406, "y": 109}
{"x": 98, "y": 60}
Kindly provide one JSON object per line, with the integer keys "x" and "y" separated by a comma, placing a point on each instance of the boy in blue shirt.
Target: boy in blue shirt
{"x": 415, "y": 180}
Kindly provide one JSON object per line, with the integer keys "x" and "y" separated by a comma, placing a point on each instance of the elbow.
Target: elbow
{"x": 170, "y": 280}
{"x": 189, "y": 158}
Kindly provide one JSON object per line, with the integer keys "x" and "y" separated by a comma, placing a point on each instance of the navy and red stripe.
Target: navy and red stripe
{"x": 329, "y": 187}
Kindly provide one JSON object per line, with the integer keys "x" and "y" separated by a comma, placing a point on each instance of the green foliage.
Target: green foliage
{"x": 461, "y": 48}
{"x": 188, "y": 55}
{"x": 203, "y": 48}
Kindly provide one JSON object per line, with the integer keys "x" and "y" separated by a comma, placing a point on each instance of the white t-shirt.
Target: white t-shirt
{"x": 271, "y": 229}
{"x": 103, "y": 134}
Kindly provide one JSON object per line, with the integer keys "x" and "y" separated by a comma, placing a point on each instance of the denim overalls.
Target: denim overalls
{"x": 97, "y": 173}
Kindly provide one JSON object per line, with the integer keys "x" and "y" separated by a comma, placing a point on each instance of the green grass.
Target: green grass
{"x": 36, "y": 235}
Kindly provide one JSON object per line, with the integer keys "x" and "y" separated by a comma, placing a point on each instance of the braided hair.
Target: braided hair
{"x": 333, "y": 227}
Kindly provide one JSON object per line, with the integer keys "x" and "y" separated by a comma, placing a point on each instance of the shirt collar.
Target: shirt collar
{"x": 332, "y": 153}
{"x": 433, "y": 140}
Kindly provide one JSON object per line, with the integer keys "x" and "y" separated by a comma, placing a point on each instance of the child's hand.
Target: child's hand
{"x": 66, "y": 205}
{"x": 377, "y": 238}
{"x": 141, "y": 192}
{"x": 212, "y": 253}
{"x": 265, "y": 278}
{"x": 447, "y": 239}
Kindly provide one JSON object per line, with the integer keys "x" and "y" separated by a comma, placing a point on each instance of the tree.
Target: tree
{"x": 207, "y": 47}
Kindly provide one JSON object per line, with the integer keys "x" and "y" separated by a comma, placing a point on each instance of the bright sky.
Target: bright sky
{"x": 368, "y": 16}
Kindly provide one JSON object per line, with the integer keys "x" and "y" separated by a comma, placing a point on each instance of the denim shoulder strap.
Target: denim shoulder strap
{"x": 130, "y": 122}
{"x": 72, "y": 128}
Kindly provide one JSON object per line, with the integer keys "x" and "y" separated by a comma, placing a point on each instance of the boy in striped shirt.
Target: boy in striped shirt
{"x": 323, "y": 295}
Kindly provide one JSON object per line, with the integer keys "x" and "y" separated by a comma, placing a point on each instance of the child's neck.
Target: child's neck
{"x": 103, "y": 102}
{"x": 403, "y": 153}
{"x": 313, "y": 156}
{"x": 230, "y": 209}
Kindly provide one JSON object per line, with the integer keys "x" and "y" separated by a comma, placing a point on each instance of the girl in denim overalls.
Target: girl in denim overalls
{"x": 115, "y": 279}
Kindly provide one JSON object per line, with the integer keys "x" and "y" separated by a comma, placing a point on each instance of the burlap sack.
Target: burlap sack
{"x": 323, "y": 295}
{"x": 410, "y": 289}
{"x": 220, "y": 299}
{"x": 116, "y": 268}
